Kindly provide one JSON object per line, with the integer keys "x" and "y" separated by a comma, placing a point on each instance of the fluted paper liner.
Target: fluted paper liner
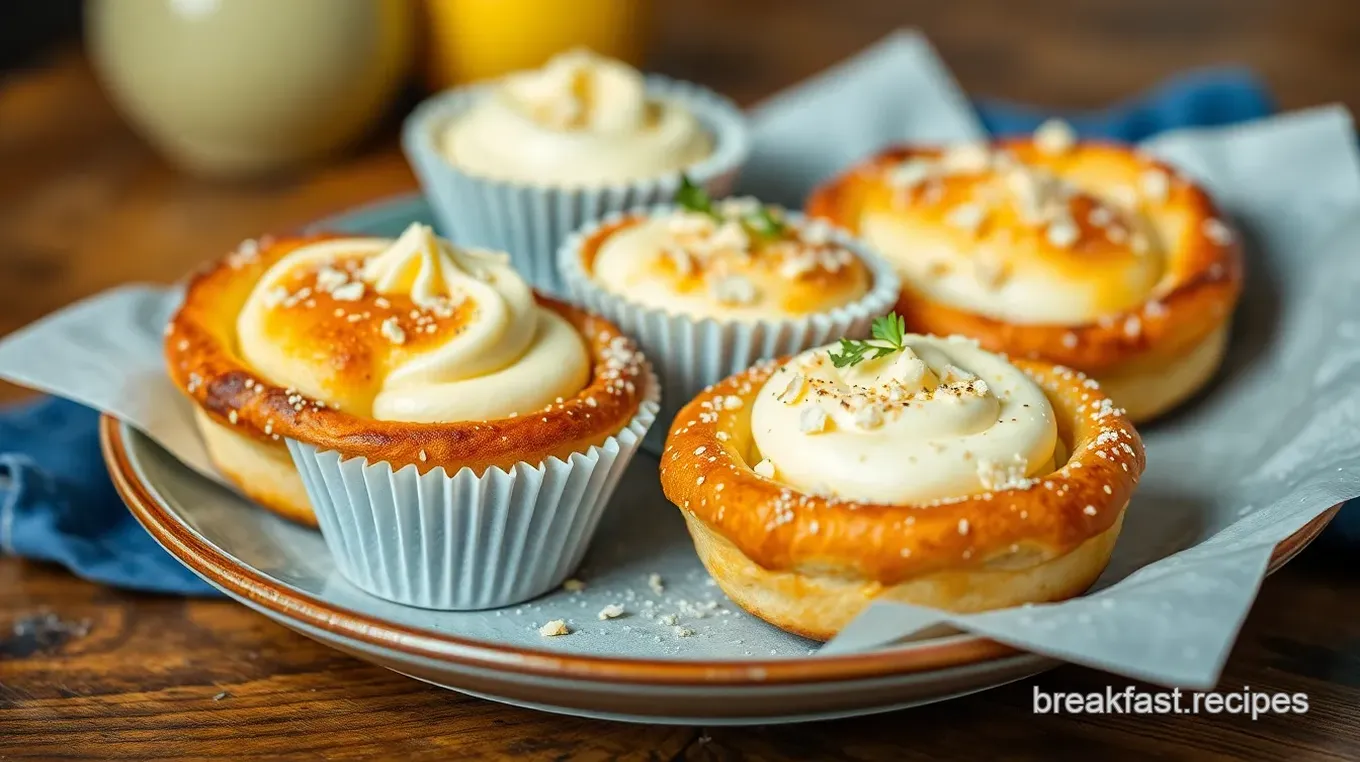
{"x": 530, "y": 221}
{"x": 691, "y": 354}
{"x": 463, "y": 541}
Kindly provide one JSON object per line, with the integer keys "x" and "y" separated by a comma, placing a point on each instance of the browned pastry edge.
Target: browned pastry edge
{"x": 1200, "y": 300}
{"x": 260, "y": 468}
{"x": 706, "y": 470}
{"x": 203, "y": 362}
{"x": 818, "y": 607}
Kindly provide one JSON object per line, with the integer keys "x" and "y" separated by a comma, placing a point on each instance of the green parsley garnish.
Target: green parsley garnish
{"x": 889, "y": 329}
{"x": 762, "y": 222}
{"x": 692, "y": 197}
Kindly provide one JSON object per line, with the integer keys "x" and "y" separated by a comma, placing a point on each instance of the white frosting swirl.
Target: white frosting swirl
{"x": 580, "y": 120}
{"x": 428, "y": 270}
{"x": 941, "y": 419}
{"x": 450, "y": 335}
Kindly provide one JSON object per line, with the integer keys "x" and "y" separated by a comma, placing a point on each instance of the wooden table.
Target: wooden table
{"x": 91, "y": 672}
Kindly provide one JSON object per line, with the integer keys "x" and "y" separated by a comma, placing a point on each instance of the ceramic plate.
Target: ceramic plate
{"x": 682, "y": 653}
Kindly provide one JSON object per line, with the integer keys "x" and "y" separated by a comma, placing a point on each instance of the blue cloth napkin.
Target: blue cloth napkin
{"x": 1204, "y": 98}
{"x": 56, "y": 501}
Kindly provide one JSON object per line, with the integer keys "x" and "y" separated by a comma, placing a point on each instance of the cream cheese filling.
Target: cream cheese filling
{"x": 508, "y": 356}
{"x": 580, "y": 120}
{"x": 941, "y": 419}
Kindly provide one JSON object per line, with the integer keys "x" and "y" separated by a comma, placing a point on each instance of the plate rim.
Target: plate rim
{"x": 207, "y": 561}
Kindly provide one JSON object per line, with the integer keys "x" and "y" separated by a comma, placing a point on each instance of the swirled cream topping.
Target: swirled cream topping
{"x": 938, "y": 419}
{"x": 409, "y": 330}
{"x": 738, "y": 260}
{"x": 1050, "y": 231}
{"x": 580, "y": 120}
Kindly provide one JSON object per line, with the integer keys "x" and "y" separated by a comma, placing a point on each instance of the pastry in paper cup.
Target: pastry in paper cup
{"x": 712, "y": 288}
{"x": 455, "y": 436}
{"x": 518, "y": 164}
{"x": 907, "y": 468}
{"x": 1089, "y": 255}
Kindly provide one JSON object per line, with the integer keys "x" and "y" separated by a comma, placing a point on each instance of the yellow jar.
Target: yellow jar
{"x": 477, "y": 39}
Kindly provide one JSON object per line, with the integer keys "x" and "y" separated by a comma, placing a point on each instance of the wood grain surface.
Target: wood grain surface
{"x": 89, "y": 672}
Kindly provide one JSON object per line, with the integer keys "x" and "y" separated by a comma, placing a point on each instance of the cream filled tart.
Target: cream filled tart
{"x": 907, "y": 468}
{"x": 1090, "y": 255}
{"x": 519, "y": 163}
{"x": 385, "y": 388}
{"x": 709, "y": 287}
{"x": 581, "y": 119}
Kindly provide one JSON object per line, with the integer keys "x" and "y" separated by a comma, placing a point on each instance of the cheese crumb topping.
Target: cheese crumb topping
{"x": 554, "y": 628}
{"x": 1055, "y": 137}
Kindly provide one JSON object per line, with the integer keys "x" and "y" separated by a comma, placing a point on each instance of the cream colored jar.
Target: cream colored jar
{"x": 247, "y": 87}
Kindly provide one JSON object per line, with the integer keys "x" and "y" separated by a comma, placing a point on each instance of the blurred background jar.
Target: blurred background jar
{"x": 478, "y": 39}
{"x": 251, "y": 87}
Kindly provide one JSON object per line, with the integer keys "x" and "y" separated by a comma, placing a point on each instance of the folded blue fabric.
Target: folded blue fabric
{"x": 56, "y": 501}
{"x": 1204, "y": 98}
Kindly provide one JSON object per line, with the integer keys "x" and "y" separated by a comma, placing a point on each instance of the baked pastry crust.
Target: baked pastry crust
{"x": 1186, "y": 312}
{"x": 809, "y": 564}
{"x": 245, "y": 418}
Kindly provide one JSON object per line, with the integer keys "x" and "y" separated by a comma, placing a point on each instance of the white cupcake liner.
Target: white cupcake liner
{"x": 465, "y": 542}
{"x": 530, "y": 221}
{"x": 691, "y": 355}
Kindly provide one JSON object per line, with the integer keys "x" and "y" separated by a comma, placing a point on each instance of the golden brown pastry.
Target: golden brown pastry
{"x": 410, "y": 352}
{"x": 909, "y": 468}
{"x": 1089, "y": 255}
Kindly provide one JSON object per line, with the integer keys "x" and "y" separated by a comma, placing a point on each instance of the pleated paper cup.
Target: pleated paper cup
{"x": 530, "y": 221}
{"x": 692, "y": 354}
{"x": 465, "y": 541}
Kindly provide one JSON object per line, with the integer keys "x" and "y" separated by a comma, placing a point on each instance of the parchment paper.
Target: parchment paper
{"x": 1274, "y": 442}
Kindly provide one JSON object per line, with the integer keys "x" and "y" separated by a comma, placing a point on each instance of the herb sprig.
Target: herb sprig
{"x": 891, "y": 330}
{"x": 693, "y": 197}
{"x": 761, "y": 222}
